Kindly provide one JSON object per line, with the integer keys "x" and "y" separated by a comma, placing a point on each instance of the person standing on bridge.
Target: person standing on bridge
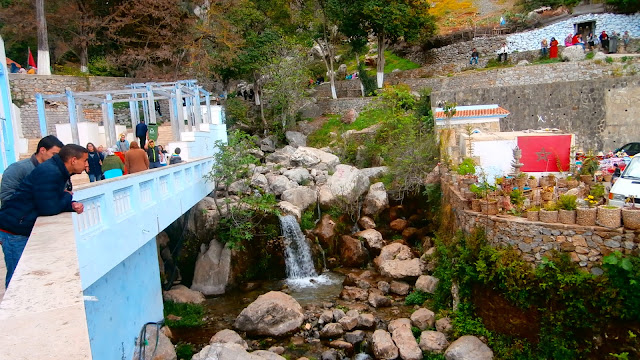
{"x": 141, "y": 133}
{"x": 136, "y": 159}
{"x": 43, "y": 192}
{"x": 16, "y": 172}
{"x": 154, "y": 155}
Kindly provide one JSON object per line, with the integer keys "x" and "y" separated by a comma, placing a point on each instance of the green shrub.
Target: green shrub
{"x": 236, "y": 111}
{"x": 416, "y": 297}
{"x": 184, "y": 351}
{"x": 590, "y": 55}
{"x": 307, "y": 222}
{"x": 191, "y": 314}
{"x": 99, "y": 66}
{"x": 466, "y": 167}
{"x": 567, "y": 202}
{"x": 608, "y": 59}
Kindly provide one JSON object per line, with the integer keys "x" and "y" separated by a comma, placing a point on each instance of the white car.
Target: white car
{"x": 627, "y": 185}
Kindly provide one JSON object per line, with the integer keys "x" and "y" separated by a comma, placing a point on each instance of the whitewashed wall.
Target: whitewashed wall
{"x": 530, "y": 40}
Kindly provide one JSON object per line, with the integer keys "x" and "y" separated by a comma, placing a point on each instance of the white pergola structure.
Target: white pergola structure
{"x": 186, "y": 92}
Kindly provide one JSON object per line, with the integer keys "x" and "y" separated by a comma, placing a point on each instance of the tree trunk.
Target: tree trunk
{"x": 358, "y": 65}
{"x": 258, "y": 92}
{"x": 44, "y": 62}
{"x": 380, "y": 72}
{"x": 84, "y": 59}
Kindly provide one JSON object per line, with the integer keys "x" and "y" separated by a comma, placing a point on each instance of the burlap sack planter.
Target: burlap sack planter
{"x": 631, "y": 218}
{"x": 567, "y": 216}
{"x": 587, "y": 179}
{"x": 489, "y": 207}
{"x": 609, "y": 217}
{"x": 533, "y": 183}
{"x": 546, "y": 196}
{"x": 572, "y": 183}
{"x": 533, "y": 216}
{"x": 548, "y": 216}
{"x": 586, "y": 216}
{"x": 475, "y": 205}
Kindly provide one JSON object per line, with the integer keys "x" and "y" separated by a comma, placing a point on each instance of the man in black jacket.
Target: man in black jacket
{"x": 42, "y": 193}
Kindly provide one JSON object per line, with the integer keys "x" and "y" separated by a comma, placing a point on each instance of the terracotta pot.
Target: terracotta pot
{"x": 607, "y": 177}
{"x": 546, "y": 196}
{"x": 572, "y": 183}
{"x": 532, "y": 183}
{"x": 548, "y": 216}
{"x": 609, "y": 217}
{"x": 587, "y": 179}
{"x": 567, "y": 216}
{"x": 489, "y": 207}
{"x": 631, "y": 218}
{"x": 475, "y": 205}
{"x": 533, "y": 215}
{"x": 586, "y": 216}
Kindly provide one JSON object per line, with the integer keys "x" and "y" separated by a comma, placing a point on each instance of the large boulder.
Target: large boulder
{"x": 468, "y": 348}
{"x": 164, "y": 349}
{"x": 260, "y": 181}
{"x": 326, "y": 231}
{"x": 231, "y": 351}
{"x": 299, "y": 175}
{"x": 268, "y": 144}
{"x": 400, "y": 269}
{"x": 433, "y": 341}
{"x": 423, "y": 318}
{"x": 375, "y": 172}
{"x": 326, "y": 197}
{"x": 296, "y": 139}
{"x": 281, "y": 156}
{"x": 407, "y": 346}
{"x": 314, "y": 158}
{"x": 394, "y": 251}
{"x": 383, "y": 346}
{"x": 373, "y": 239}
{"x": 352, "y": 252}
{"x": 272, "y": 314}
{"x": 228, "y": 336}
{"x": 376, "y": 200}
{"x": 427, "y": 283}
{"x": 288, "y": 208}
{"x": 182, "y": 294}
{"x": 213, "y": 266}
{"x": 348, "y": 183}
{"x": 573, "y": 53}
{"x": 302, "y": 197}
{"x": 280, "y": 183}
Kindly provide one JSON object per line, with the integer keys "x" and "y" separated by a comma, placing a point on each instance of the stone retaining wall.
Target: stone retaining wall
{"x": 586, "y": 245}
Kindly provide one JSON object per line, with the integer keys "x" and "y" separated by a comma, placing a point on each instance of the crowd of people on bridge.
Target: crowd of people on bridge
{"x": 41, "y": 185}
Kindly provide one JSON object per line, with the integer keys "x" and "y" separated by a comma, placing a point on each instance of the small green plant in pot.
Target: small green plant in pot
{"x": 567, "y": 205}
{"x": 589, "y": 167}
{"x": 549, "y": 212}
{"x": 533, "y": 213}
{"x": 467, "y": 169}
{"x": 480, "y": 190}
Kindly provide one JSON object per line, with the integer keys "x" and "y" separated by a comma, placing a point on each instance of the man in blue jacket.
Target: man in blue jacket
{"x": 141, "y": 133}
{"x": 42, "y": 193}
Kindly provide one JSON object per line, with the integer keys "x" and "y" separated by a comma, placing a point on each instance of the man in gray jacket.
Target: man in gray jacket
{"x": 16, "y": 172}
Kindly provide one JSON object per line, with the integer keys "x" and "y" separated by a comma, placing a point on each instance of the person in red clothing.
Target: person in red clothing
{"x": 553, "y": 48}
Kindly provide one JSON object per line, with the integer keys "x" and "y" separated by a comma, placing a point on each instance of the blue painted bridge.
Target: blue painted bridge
{"x": 86, "y": 284}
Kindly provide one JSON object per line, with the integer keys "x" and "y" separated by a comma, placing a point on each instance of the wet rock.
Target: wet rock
{"x": 326, "y": 317}
{"x": 228, "y": 336}
{"x": 362, "y": 356}
{"x": 423, "y": 318}
{"x": 406, "y": 343}
{"x": 399, "y": 225}
{"x": 427, "y": 283}
{"x": 301, "y": 197}
{"x": 383, "y": 345}
{"x": 348, "y": 182}
{"x": 468, "y": 348}
{"x": 164, "y": 350}
{"x": 182, "y": 294}
{"x": 399, "y": 288}
{"x": 326, "y": 231}
{"x": 213, "y": 266}
{"x": 372, "y": 239}
{"x": 400, "y": 269}
{"x": 352, "y": 252}
{"x": 332, "y": 330}
{"x": 384, "y": 287}
{"x": 299, "y": 175}
{"x": 296, "y": 139}
{"x": 277, "y": 349}
{"x": 366, "y": 321}
{"x": 355, "y": 337}
{"x": 288, "y": 208}
{"x": 377, "y": 299}
{"x": 433, "y": 341}
{"x": 396, "y": 323}
{"x": 342, "y": 345}
{"x": 348, "y": 322}
{"x": 443, "y": 325}
{"x": 338, "y": 314}
{"x": 366, "y": 223}
{"x": 272, "y": 314}
{"x": 376, "y": 200}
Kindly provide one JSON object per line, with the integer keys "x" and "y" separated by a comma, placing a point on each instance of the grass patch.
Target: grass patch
{"x": 321, "y": 138}
{"x": 184, "y": 351}
{"x": 417, "y": 297}
{"x": 191, "y": 314}
{"x": 391, "y": 62}
{"x": 590, "y": 55}
{"x": 547, "y": 60}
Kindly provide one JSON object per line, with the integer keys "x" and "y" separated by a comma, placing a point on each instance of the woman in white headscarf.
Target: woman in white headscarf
{"x": 112, "y": 162}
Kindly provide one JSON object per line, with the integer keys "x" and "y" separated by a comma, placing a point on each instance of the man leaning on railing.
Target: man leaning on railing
{"x": 44, "y": 192}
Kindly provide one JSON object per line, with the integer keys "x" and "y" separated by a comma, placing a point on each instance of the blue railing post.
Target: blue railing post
{"x": 71, "y": 103}
{"x": 41, "y": 115}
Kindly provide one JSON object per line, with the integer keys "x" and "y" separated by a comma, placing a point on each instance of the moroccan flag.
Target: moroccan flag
{"x": 32, "y": 62}
{"x": 544, "y": 153}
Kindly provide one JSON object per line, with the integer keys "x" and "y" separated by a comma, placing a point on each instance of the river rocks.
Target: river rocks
{"x": 406, "y": 343}
{"x": 288, "y": 208}
{"x": 354, "y": 293}
{"x": 399, "y": 287}
{"x": 301, "y": 197}
{"x": 164, "y": 350}
{"x": 377, "y": 299}
{"x": 355, "y": 337}
{"x": 348, "y": 183}
{"x": 330, "y": 354}
{"x": 309, "y": 157}
{"x": 384, "y": 287}
{"x": 272, "y": 314}
{"x": 348, "y": 322}
{"x": 468, "y": 348}
{"x": 326, "y": 317}
{"x": 269, "y": 355}
{"x": 423, "y": 318}
{"x": 376, "y": 200}
{"x": 366, "y": 321}
{"x": 372, "y": 239}
{"x": 299, "y": 175}
{"x": 366, "y": 223}
{"x": 338, "y": 314}
{"x": 399, "y": 225}
{"x": 433, "y": 341}
{"x": 278, "y": 184}
{"x": 212, "y": 269}
{"x": 182, "y": 294}
{"x": 573, "y": 53}
{"x": 352, "y": 252}
{"x": 443, "y": 325}
{"x": 332, "y": 330}
{"x": 400, "y": 269}
{"x": 427, "y": 283}
{"x": 342, "y": 345}
{"x": 228, "y": 336}
{"x": 230, "y": 351}
{"x": 396, "y": 323}
{"x": 394, "y": 251}
{"x": 296, "y": 139}
{"x": 383, "y": 346}
{"x": 326, "y": 231}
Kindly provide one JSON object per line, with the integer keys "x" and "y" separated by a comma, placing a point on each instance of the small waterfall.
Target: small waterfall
{"x": 297, "y": 254}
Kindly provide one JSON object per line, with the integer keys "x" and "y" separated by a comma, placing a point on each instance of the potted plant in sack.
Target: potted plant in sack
{"x": 631, "y": 214}
{"x": 609, "y": 216}
{"x": 572, "y": 182}
{"x": 521, "y": 180}
{"x": 481, "y": 191}
{"x": 567, "y": 205}
{"x": 588, "y": 170}
{"x": 549, "y": 213}
{"x": 586, "y": 215}
{"x": 532, "y": 182}
{"x": 533, "y": 213}
{"x": 547, "y": 193}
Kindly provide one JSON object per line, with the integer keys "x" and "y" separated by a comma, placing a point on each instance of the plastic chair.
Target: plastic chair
{"x": 112, "y": 173}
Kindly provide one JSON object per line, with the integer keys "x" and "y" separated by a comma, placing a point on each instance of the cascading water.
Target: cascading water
{"x": 297, "y": 256}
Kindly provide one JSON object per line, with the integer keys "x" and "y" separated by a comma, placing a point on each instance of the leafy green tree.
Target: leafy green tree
{"x": 626, "y": 6}
{"x": 388, "y": 20}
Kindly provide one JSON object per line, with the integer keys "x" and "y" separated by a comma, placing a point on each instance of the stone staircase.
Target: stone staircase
{"x": 165, "y": 135}
{"x": 31, "y": 148}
